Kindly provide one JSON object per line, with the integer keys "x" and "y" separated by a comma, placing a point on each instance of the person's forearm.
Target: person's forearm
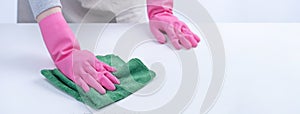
{"x": 47, "y": 13}
{"x": 44, "y": 8}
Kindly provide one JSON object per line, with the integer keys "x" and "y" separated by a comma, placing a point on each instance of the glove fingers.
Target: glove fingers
{"x": 192, "y": 40}
{"x": 196, "y": 37}
{"x": 94, "y": 62}
{"x": 186, "y": 30}
{"x": 190, "y": 35}
{"x": 100, "y": 66}
{"x": 112, "y": 78}
{"x": 176, "y": 43}
{"x": 170, "y": 32}
{"x": 92, "y": 71}
{"x": 107, "y": 83}
{"x": 93, "y": 83}
{"x": 89, "y": 57}
{"x": 82, "y": 84}
{"x": 158, "y": 34}
{"x": 108, "y": 68}
{"x": 173, "y": 37}
{"x": 182, "y": 39}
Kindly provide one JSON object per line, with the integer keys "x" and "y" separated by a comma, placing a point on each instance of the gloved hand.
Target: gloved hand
{"x": 161, "y": 19}
{"x": 81, "y": 66}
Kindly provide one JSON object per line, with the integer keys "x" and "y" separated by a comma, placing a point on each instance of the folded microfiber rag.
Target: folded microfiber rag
{"x": 133, "y": 76}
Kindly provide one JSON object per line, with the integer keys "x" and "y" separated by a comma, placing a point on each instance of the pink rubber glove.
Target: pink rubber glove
{"x": 161, "y": 19}
{"x": 81, "y": 66}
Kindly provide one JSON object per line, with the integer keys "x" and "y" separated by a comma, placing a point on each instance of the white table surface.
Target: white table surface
{"x": 262, "y": 71}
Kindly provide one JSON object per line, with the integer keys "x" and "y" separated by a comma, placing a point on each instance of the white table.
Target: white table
{"x": 262, "y": 72}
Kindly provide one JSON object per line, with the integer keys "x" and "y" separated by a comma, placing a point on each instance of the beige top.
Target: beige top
{"x": 93, "y": 11}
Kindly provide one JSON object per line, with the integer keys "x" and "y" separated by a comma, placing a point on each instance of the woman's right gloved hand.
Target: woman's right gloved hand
{"x": 81, "y": 66}
{"x": 86, "y": 70}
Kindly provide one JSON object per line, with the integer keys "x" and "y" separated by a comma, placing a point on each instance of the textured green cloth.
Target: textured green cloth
{"x": 133, "y": 76}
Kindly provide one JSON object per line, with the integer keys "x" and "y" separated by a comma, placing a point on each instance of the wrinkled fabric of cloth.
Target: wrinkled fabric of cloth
{"x": 133, "y": 75}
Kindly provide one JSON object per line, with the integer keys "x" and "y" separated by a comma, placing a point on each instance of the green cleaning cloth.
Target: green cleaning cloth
{"x": 133, "y": 76}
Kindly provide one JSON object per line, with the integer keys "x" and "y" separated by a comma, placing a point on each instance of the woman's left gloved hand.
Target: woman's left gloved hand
{"x": 162, "y": 21}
